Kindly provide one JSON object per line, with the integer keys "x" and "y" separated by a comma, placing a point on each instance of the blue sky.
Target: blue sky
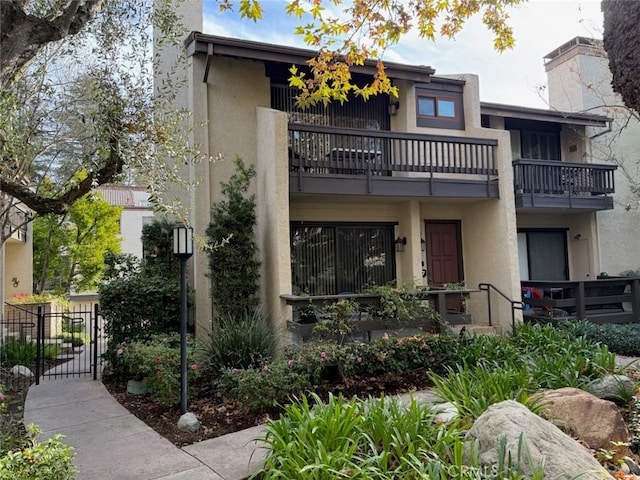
{"x": 512, "y": 77}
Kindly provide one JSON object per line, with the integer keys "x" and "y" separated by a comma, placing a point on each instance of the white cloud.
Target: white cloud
{"x": 540, "y": 26}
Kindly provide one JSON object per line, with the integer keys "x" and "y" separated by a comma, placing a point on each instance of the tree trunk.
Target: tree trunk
{"x": 622, "y": 43}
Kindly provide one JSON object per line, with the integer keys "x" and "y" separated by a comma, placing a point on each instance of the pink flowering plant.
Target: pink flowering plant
{"x": 157, "y": 363}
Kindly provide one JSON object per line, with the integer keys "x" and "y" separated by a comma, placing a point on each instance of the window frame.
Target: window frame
{"x": 440, "y": 93}
{"x": 339, "y": 250}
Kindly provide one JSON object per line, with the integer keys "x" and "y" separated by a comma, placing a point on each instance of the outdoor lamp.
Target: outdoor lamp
{"x": 400, "y": 243}
{"x": 183, "y": 249}
{"x": 182, "y": 240}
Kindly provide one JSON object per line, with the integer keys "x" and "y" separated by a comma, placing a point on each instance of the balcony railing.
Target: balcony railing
{"x": 572, "y": 184}
{"x": 329, "y": 150}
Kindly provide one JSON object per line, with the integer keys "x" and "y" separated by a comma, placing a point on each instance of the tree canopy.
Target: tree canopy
{"x": 69, "y": 250}
{"x": 78, "y": 103}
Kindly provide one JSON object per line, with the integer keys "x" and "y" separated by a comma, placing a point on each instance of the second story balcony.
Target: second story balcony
{"x": 563, "y": 185}
{"x": 352, "y": 161}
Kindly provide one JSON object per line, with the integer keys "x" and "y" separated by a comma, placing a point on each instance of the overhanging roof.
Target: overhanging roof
{"x": 210, "y": 45}
{"x": 544, "y": 115}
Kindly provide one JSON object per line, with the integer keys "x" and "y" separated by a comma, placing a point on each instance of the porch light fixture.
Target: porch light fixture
{"x": 183, "y": 249}
{"x": 393, "y": 108}
{"x": 400, "y": 243}
{"x": 423, "y": 244}
{"x": 15, "y": 282}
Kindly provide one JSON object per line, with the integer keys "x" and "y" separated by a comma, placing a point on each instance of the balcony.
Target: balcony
{"x": 15, "y": 227}
{"x": 329, "y": 160}
{"x": 563, "y": 185}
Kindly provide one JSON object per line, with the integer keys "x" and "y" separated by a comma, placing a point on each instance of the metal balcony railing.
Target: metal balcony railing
{"x": 321, "y": 150}
{"x": 562, "y": 178}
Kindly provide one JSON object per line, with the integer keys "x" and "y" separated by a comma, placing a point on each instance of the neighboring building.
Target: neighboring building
{"x": 580, "y": 80}
{"x": 432, "y": 183}
{"x": 136, "y": 212}
{"x": 17, "y": 253}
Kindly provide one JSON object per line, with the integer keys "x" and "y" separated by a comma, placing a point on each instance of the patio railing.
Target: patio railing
{"x": 607, "y": 300}
{"x": 562, "y": 178}
{"x": 324, "y": 150}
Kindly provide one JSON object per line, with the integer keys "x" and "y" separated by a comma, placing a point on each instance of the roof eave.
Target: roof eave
{"x": 210, "y": 45}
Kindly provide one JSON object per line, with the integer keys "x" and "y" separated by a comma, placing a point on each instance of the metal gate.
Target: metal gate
{"x": 52, "y": 343}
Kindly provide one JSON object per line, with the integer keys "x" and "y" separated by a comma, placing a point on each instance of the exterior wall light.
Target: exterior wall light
{"x": 400, "y": 243}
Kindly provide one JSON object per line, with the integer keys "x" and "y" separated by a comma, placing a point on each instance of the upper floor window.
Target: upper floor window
{"x": 540, "y": 145}
{"x": 439, "y": 106}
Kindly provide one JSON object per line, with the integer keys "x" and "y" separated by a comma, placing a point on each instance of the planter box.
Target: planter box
{"x": 362, "y": 328}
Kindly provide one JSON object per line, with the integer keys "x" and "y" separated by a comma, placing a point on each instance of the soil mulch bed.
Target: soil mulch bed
{"x": 220, "y": 418}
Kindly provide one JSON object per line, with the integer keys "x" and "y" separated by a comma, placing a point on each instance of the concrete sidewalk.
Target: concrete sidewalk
{"x": 112, "y": 444}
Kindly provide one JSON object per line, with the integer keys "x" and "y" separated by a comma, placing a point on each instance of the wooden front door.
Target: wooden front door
{"x": 444, "y": 255}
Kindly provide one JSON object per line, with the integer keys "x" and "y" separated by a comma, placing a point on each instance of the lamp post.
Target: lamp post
{"x": 183, "y": 249}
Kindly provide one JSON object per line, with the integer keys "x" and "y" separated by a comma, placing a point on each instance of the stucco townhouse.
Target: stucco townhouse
{"x": 430, "y": 188}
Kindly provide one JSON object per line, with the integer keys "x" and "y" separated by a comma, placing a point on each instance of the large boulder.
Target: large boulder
{"x": 613, "y": 387}
{"x": 564, "y": 457}
{"x": 596, "y": 422}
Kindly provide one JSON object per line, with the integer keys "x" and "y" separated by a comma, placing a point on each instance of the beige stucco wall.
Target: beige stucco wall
{"x": 227, "y": 102}
{"x": 18, "y": 264}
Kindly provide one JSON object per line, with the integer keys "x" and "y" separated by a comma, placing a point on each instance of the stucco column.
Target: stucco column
{"x": 272, "y": 212}
{"x": 409, "y": 261}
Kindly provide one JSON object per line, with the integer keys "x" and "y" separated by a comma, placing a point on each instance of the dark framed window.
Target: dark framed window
{"x": 333, "y": 258}
{"x": 538, "y": 140}
{"x": 540, "y": 145}
{"x": 439, "y": 106}
{"x": 543, "y": 254}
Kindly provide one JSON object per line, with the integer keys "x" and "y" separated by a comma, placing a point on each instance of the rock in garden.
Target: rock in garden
{"x": 188, "y": 423}
{"x": 613, "y": 387}
{"x": 564, "y": 457}
{"x": 21, "y": 371}
{"x": 634, "y": 468}
{"x": 595, "y": 421}
{"x": 447, "y": 411}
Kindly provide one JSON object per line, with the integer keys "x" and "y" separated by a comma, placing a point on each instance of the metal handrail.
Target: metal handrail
{"x": 515, "y": 304}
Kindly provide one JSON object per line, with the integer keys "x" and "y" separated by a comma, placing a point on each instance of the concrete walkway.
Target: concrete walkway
{"x": 112, "y": 444}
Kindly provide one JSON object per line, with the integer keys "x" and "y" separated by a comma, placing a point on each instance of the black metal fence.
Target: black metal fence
{"x": 38, "y": 341}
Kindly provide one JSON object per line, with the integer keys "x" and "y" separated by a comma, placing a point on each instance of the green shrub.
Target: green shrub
{"x": 260, "y": 389}
{"x": 241, "y": 342}
{"x": 157, "y": 363}
{"x": 50, "y": 351}
{"x": 50, "y": 460}
{"x": 141, "y": 300}
{"x": 234, "y": 267}
{"x": 321, "y": 360}
{"x": 18, "y": 351}
{"x": 623, "y": 339}
{"x": 137, "y": 307}
{"x": 473, "y": 389}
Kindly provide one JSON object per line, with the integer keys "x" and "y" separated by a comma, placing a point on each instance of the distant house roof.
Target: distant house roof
{"x": 545, "y": 115}
{"x": 211, "y": 46}
{"x": 127, "y": 196}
